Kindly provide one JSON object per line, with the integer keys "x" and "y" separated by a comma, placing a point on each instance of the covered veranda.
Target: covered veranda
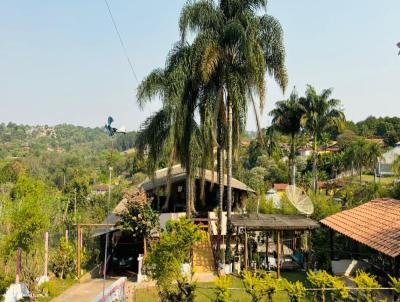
{"x": 296, "y": 228}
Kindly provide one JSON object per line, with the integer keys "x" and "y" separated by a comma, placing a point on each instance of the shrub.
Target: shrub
{"x": 320, "y": 280}
{"x": 62, "y": 259}
{"x": 221, "y": 290}
{"x": 395, "y": 283}
{"x": 164, "y": 262}
{"x": 47, "y": 289}
{"x": 295, "y": 290}
{"x": 5, "y": 282}
{"x": 365, "y": 280}
{"x": 259, "y": 285}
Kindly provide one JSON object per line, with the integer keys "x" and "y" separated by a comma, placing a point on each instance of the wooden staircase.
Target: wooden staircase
{"x": 203, "y": 258}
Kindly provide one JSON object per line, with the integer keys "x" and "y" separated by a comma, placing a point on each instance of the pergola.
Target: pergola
{"x": 273, "y": 223}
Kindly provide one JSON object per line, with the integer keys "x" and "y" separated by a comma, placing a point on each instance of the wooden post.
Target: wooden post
{"x": 66, "y": 236}
{"x": 18, "y": 264}
{"x": 245, "y": 249}
{"x": 46, "y": 252}
{"x": 266, "y": 250}
{"x": 78, "y": 251}
{"x": 144, "y": 247}
{"x": 278, "y": 255}
{"x": 331, "y": 242}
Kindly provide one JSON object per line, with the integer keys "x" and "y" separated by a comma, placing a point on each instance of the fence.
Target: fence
{"x": 113, "y": 293}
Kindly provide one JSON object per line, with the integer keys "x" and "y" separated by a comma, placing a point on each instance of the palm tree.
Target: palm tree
{"x": 287, "y": 117}
{"x": 236, "y": 47}
{"x": 173, "y": 132}
{"x": 321, "y": 112}
{"x": 374, "y": 155}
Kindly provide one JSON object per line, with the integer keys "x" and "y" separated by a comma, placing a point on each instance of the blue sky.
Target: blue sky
{"x": 61, "y": 61}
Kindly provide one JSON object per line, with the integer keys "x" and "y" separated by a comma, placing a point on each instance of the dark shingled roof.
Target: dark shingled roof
{"x": 375, "y": 224}
{"x": 259, "y": 222}
{"x": 177, "y": 173}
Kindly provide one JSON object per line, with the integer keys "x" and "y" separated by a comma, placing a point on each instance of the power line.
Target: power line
{"x": 121, "y": 41}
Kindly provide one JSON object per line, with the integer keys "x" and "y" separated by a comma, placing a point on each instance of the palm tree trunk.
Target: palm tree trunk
{"x": 229, "y": 181}
{"x": 292, "y": 162}
{"x": 229, "y": 163}
{"x": 220, "y": 169}
{"x": 188, "y": 191}
{"x": 314, "y": 167}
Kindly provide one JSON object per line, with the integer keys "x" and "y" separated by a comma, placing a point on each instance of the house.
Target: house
{"x": 371, "y": 236}
{"x": 205, "y": 199}
{"x": 280, "y": 187}
{"x": 385, "y": 164}
{"x": 166, "y": 190}
{"x": 99, "y": 189}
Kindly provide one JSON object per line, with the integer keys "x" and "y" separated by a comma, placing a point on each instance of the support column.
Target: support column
{"x": 245, "y": 249}
{"x": 78, "y": 250}
{"x": 278, "y": 254}
{"x": 46, "y": 253}
{"x": 266, "y": 249}
{"x": 18, "y": 264}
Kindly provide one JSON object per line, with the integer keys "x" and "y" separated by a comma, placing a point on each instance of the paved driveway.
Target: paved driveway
{"x": 83, "y": 292}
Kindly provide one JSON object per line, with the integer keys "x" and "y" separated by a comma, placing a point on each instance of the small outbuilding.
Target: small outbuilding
{"x": 275, "y": 226}
{"x": 372, "y": 233}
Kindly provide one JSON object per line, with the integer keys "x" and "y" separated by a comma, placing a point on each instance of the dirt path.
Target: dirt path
{"x": 83, "y": 292}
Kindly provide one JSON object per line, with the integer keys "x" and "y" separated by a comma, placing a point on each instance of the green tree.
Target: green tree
{"x": 164, "y": 262}
{"x": 287, "y": 117}
{"x": 139, "y": 219}
{"x": 321, "y": 114}
{"x": 236, "y": 47}
{"x": 62, "y": 259}
{"x": 173, "y": 132}
{"x": 27, "y": 218}
{"x": 374, "y": 155}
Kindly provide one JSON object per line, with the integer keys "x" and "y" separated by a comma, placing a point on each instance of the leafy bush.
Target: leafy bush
{"x": 62, "y": 259}
{"x": 320, "y": 280}
{"x": 5, "y": 282}
{"x": 47, "y": 289}
{"x": 164, "y": 262}
{"x": 295, "y": 290}
{"x": 365, "y": 280}
{"x": 259, "y": 285}
{"x": 221, "y": 290}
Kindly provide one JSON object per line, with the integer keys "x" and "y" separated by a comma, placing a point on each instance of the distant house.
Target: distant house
{"x": 372, "y": 238}
{"x": 100, "y": 189}
{"x": 305, "y": 151}
{"x": 385, "y": 164}
{"x": 280, "y": 187}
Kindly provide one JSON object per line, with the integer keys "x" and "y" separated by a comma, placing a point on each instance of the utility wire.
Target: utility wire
{"x": 121, "y": 41}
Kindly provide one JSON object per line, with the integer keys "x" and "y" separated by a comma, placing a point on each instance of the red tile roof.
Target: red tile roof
{"x": 375, "y": 224}
{"x": 280, "y": 187}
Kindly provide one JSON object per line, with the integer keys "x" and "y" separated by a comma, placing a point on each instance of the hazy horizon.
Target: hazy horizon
{"x": 61, "y": 62}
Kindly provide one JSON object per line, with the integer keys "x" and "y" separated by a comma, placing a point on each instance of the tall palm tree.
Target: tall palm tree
{"x": 374, "y": 155}
{"x": 173, "y": 132}
{"x": 287, "y": 117}
{"x": 322, "y": 112}
{"x": 237, "y": 47}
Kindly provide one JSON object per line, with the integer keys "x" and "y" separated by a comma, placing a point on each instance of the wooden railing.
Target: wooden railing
{"x": 206, "y": 223}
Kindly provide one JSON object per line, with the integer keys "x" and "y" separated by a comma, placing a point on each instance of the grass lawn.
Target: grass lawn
{"x": 386, "y": 180}
{"x": 56, "y": 287}
{"x": 206, "y": 294}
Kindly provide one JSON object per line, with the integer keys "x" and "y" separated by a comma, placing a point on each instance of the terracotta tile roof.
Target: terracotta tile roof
{"x": 280, "y": 187}
{"x": 375, "y": 224}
